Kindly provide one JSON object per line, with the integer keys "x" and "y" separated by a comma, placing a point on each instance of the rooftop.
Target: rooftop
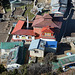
{"x": 20, "y": 29}
{"x": 17, "y": 55}
{"x": 47, "y": 29}
{"x": 51, "y": 44}
{"x": 64, "y": 61}
{"x": 34, "y": 44}
{"x": 45, "y": 20}
{"x": 10, "y": 45}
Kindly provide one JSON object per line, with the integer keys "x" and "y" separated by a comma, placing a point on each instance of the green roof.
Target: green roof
{"x": 10, "y": 45}
{"x": 62, "y": 61}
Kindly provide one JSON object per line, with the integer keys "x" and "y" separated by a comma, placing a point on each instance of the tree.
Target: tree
{"x": 5, "y": 73}
{"x": 2, "y": 68}
{"x": 23, "y": 70}
{"x": 59, "y": 70}
{"x": 5, "y": 3}
{"x": 49, "y": 58}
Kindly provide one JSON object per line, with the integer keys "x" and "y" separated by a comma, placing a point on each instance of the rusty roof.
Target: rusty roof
{"x": 44, "y": 21}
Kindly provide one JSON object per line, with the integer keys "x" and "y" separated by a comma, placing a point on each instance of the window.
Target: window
{"x": 36, "y": 51}
{"x": 29, "y": 37}
{"x": 23, "y": 37}
{"x": 52, "y": 45}
{"x": 47, "y": 34}
{"x": 17, "y": 36}
{"x": 41, "y": 45}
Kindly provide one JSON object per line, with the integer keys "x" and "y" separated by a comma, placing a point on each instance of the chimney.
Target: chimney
{"x": 27, "y": 22}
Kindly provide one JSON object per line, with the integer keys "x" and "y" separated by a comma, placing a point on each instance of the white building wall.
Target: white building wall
{"x": 33, "y": 38}
{"x": 48, "y": 39}
{"x": 3, "y": 51}
{"x": 13, "y": 66}
{"x": 39, "y": 54}
{"x": 20, "y": 37}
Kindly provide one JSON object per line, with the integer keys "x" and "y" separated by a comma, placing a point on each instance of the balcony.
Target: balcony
{"x": 48, "y": 37}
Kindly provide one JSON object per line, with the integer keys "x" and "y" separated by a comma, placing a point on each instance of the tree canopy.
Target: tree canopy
{"x": 2, "y": 68}
{"x": 5, "y": 3}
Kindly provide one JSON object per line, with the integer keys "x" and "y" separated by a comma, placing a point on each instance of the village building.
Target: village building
{"x": 58, "y": 6}
{"x": 42, "y": 27}
{"x": 47, "y": 33}
{"x": 16, "y": 57}
{"x": 70, "y": 40}
{"x": 66, "y": 62}
{"x": 23, "y": 31}
{"x": 37, "y": 48}
{"x": 40, "y": 47}
{"x": 41, "y": 3}
{"x": 45, "y": 27}
{"x": 5, "y": 49}
{"x": 17, "y": 3}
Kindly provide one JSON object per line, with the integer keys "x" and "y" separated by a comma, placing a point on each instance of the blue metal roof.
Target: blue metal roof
{"x": 34, "y": 44}
{"x": 51, "y": 44}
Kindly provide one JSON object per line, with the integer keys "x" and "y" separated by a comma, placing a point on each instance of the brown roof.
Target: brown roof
{"x": 38, "y": 16}
{"x": 44, "y": 21}
{"x": 47, "y": 16}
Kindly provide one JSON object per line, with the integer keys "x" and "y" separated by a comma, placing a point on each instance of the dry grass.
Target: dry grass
{"x": 70, "y": 72}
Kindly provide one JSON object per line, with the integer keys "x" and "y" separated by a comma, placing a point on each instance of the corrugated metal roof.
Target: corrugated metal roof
{"x": 51, "y": 44}
{"x": 18, "y": 26}
{"x": 34, "y": 44}
{"x": 43, "y": 21}
{"x": 63, "y": 61}
{"x": 64, "y": 1}
{"x": 24, "y": 32}
{"x": 19, "y": 31}
{"x": 9, "y": 45}
{"x": 54, "y": 2}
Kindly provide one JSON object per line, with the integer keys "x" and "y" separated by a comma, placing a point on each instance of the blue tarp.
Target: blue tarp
{"x": 51, "y": 44}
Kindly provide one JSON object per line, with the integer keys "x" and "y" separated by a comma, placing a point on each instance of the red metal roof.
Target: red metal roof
{"x": 47, "y": 29}
{"x": 24, "y": 32}
{"x": 18, "y": 26}
{"x": 44, "y": 21}
{"x": 19, "y": 31}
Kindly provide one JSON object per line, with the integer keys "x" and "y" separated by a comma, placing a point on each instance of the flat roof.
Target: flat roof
{"x": 10, "y": 45}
